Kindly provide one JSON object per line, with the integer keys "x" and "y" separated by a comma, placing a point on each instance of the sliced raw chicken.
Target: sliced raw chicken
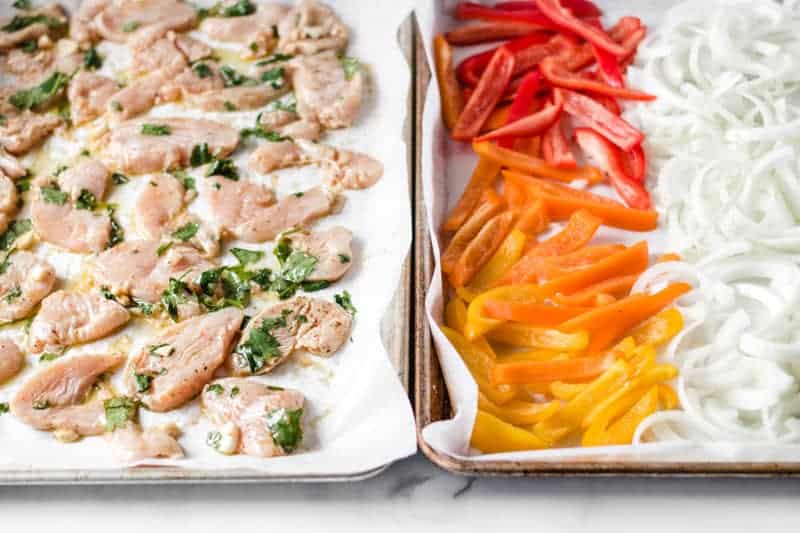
{"x": 138, "y": 97}
{"x": 134, "y": 152}
{"x": 10, "y": 39}
{"x": 24, "y": 281}
{"x": 160, "y": 199}
{"x": 10, "y": 165}
{"x": 55, "y": 397}
{"x": 311, "y": 27}
{"x": 183, "y": 358}
{"x": 19, "y": 133}
{"x": 310, "y": 324}
{"x": 68, "y": 318}
{"x": 8, "y": 201}
{"x": 237, "y": 98}
{"x": 119, "y": 21}
{"x": 131, "y": 444}
{"x": 87, "y": 175}
{"x": 11, "y": 359}
{"x": 325, "y": 91}
{"x": 89, "y": 94}
{"x": 191, "y": 83}
{"x": 246, "y": 210}
{"x": 332, "y": 249}
{"x": 255, "y": 32}
{"x": 254, "y": 410}
{"x": 134, "y": 268}
{"x": 274, "y": 155}
{"x": 33, "y": 69}
{"x": 272, "y": 119}
{"x": 192, "y": 49}
{"x": 207, "y": 237}
{"x": 81, "y": 29}
{"x": 161, "y": 54}
{"x": 75, "y": 230}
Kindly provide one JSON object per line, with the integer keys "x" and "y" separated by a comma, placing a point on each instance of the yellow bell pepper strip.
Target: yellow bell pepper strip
{"x": 534, "y": 165}
{"x": 632, "y": 260}
{"x": 544, "y": 315}
{"x": 667, "y": 396}
{"x": 621, "y": 431}
{"x": 577, "y": 369}
{"x": 505, "y": 256}
{"x": 492, "y": 435}
{"x": 482, "y": 178}
{"x": 455, "y": 314}
{"x": 566, "y": 391}
{"x": 562, "y": 201}
{"x": 533, "y": 355}
{"x": 480, "y": 366}
{"x": 467, "y": 294}
{"x": 574, "y": 235}
{"x": 491, "y": 204}
{"x": 449, "y": 89}
{"x": 533, "y": 218}
{"x": 643, "y": 358}
{"x": 609, "y": 323}
{"x": 478, "y": 325}
{"x": 618, "y": 286}
{"x": 659, "y": 329}
{"x": 481, "y": 248}
{"x": 518, "y": 412}
{"x": 568, "y": 419}
{"x": 527, "y": 336}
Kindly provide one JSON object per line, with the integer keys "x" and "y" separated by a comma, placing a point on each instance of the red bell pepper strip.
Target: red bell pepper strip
{"x": 609, "y": 102}
{"x": 488, "y": 92}
{"x": 561, "y": 16}
{"x": 523, "y": 100}
{"x": 486, "y": 32}
{"x": 608, "y": 63}
{"x": 562, "y": 77}
{"x": 636, "y": 164}
{"x": 473, "y": 11}
{"x": 530, "y": 126}
{"x": 609, "y": 158}
{"x": 579, "y": 8}
{"x": 556, "y": 149}
{"x": 469, "y": 70}
{"x": 600, "y": 119}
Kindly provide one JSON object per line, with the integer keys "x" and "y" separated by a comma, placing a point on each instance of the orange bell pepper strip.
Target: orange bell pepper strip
{"x": 534, "y": 165}
{"x": 545, "y": 268}
{"x": 533, "y": 219}
{"x": 450, "y": 95}
{"x": 480, "y": 366}
{"x": 576, "y": 233}
{"x": 478, "y": 324}
{"x": 492, "y": 435}
{"x": 659, "y": 329}
{"x": 621, "y": 431}
{"x": 517, "y": 412}
{"x": 515, "y": 195}
{"x": 577, "y": 369}
{"x": 664, "y": 258}
{"x": 540, "y": 314}
{"x": 632, "y": 260}
{"x": 491, "y": 204}
{"x": 563, "y": 201}
{"x": 609, "y": 323}
{"x": 527, "y": 336}
{"x": 568, "y": 419}
{"x": 482, "y": 248}
{"x": 505, "y": 256}
{"x": 616, "y": 286}
{"x": 482, "y": 179}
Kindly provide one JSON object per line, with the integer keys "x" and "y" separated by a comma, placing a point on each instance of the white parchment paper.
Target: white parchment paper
{"x": 358, "y": 416}
{"x": 447, "y": 166}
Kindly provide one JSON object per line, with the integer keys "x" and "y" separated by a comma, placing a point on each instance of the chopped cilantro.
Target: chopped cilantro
{"x": 200, "y": 155}
{"x": 274, "y": 77}
{"x": 91, "y": 59}
{"x": 13, "y": 294}
{"x": 116, "y": 106}
{"x": 156, "y": 129}
{"x": 261, "y": 346}
{"x": 22, "y": 4}
{"x": 238, "y": 9}
{"x": 298, "y": 194}
{"x": 345, "y": 301}
{"x": 119, "y": 411}
{"x": 131, "y": 25}
{"x": 233, "y": 78}
{"x": 41, "y": 94}
{"x": 47, "y": 357}
{"x": 274, "y": 58}
{"x": 284, "y": 426}
{"x": 29, "y": 47}
{"x": 313, "y": 286}
{"x": 275, "y": 387}
{"x": 40, "y": 404}
{"x": 286, "y": 103}
{"x": 14, "y": 231}
{"x": 3, "y": 408}
{"x": 351, "y": 67}
{"x": 344, "y": 258}
{"x": 160, "y": 350}
{"x": 177, "y": 292}
{"x": 144, "y": 307}
{"x": 298, "y": 266}
{"x": 161, "y": 250}
{"x": 186, "y": 232}
{"x": 202, "y": 70}
{"x": 117, "y": 233}
{"x": 229, "y": 106}
{"x": 20, "y": 22}
{"x": 143, "y": 382}
{"x": 225, "y": 168}
{"x": 54, "y": 195}
{"x": 246, "y": 257}
{"x": 119, "y": 179}
{"x": 107, "y": 294}
{"x": 213, "y": 439}
{"x": 86, "y": 200}
{"x": 235, "y": 392}
{"x": 215, "y": 388}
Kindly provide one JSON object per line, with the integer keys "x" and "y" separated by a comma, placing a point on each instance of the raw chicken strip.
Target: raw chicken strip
{"x": 10, "y": 165}
{"x": 316, "y": 326}
{"x": 249, "y": 410}
{"x": 11, "y": 359}
{"x": 25, "y": 130}
{"x": 11, "y": 39}
{"x": 237, "y": 98}
{"x": 8, "y": 201}
{"x": 131, "y": 444}
{"x": 29, "y": 279}
{"x": 254, "y": 32}
{"x": 89, "y": 94}
{"x": 54, "y": 397}
{"x": 134, "y": 152}
{"x": 68, "y": 318}
{"x": 183, "y": 358}
{"x": 323, "y": 91}
{"x": 332, "y": 249}
{"x": 87, "y": 175}
{"x": 75, "y": 230}
{"x": 139, "y": 96}
{"x": 80, "y": 29}
{"x": 118, "y": 21}
{"x": 160, "y": 199}
{"x": 134, "y": 268}
{"x": 311, "y": 27}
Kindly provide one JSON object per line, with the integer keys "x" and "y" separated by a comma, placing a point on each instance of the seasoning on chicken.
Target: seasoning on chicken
{"x": 265, "y": 421}
{"x": 23, "y": 131}
{"x": 59, "y": 395}
{"x": 174, "y": 367}
{"x": 301, "y": 323}
{"x": 158, "y": 144}
{"x": 24, "y": 281}
{"x": 11, "y": 359}
{"x": 57, "y": 221}
{"x": 87, "y": 176}
{"x": 330, "y": 247}
{"x": 88, "y": 95}
{"x": 311, "y": 27}
{"x": 257, "y": 32}
{"x": 68, "y": 318}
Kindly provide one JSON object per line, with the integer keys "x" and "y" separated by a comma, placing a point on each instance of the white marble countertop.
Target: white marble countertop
{"x": 412, "y": 495}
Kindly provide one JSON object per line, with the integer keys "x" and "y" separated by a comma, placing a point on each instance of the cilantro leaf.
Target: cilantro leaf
{"x": 351, "y": 67}
{"x": 54, "y": 195}
{"x": 119, "y": 179}
{"x": 345, "y": 301}
{"x": 86, "y": 200}
{"x": 41, "y": 94}
{"x": 245, "y": 257}
{"x": 131, "y": 25}
{"x": 119, "y": 411}
{"x": 186, "y": 232}
{"x": 201, "y": 155}
{"x": 15, "y": 231}
{"x": 91, "y": 59}
{"x": 225, "y": 168}
{"x": 143, "y": 382}
{"x": 285, "y": 428}
{"x": 156, "y": 129}
{"x": 274, "y": 77}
